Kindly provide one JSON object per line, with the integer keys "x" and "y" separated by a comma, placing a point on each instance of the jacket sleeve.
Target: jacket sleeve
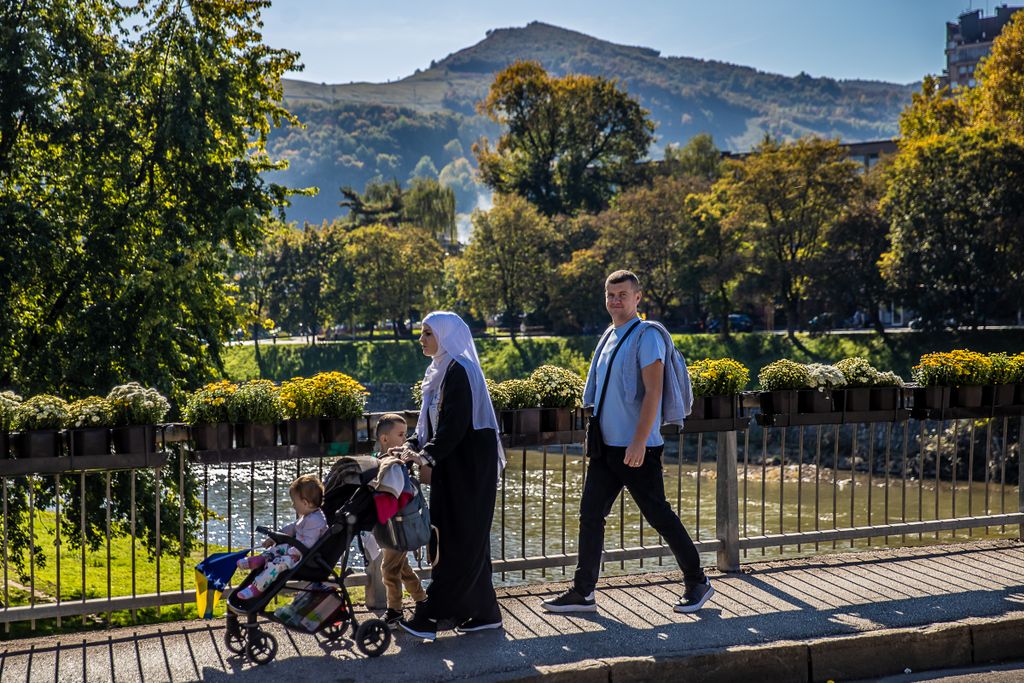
{"x": 455, "y": 414}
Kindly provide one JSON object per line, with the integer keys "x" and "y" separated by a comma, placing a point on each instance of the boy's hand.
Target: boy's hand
{"x": 268, "y": 543}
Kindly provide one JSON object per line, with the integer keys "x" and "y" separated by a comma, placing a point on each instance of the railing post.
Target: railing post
{"x": 727, "y": 518}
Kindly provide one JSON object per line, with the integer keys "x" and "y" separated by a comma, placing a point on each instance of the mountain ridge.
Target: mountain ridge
{"x": 363, "y": 131}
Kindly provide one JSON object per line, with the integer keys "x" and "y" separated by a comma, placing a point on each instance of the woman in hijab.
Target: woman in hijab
{"x": 457, "y": 435}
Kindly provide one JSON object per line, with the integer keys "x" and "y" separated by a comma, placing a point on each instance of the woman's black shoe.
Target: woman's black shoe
{"x": 420, "y": 626}
{"x": 471, "y": 625}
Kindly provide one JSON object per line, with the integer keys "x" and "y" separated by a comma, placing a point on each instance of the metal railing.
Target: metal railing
{"x": 743, "y": 493}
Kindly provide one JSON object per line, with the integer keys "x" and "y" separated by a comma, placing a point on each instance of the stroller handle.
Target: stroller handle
{"x": 283, "y": 538}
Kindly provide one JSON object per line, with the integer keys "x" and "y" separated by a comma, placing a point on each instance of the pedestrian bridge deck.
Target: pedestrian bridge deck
{"x": 829, "y": 595}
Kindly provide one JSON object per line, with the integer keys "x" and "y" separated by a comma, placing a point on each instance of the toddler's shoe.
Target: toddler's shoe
{"x": 253, "y": 562}
{"x": 249, "y": 592}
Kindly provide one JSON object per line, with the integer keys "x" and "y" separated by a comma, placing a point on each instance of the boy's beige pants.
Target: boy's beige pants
{"x": 395, "y": 571}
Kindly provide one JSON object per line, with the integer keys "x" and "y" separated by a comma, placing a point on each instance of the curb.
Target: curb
{"x": 869, "y": 655}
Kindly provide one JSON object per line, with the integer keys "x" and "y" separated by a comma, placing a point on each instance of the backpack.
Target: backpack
{"x": 409, "y": 529}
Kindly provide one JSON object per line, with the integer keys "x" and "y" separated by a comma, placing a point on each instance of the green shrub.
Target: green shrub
{"x": 519, "y": 394}
{"x": 255, "y": 402}
{"x": 134, "y": 404}
{"x": 718, "y": 377}
{"x": 210, "y": 404}
{"x": 558, "y": 387}
{"x": 41, "y": 412}
{"x": 858, "y": 372}
{"x": 9, "y": 402}
{"x": 888, "y": 379}
{"x": 784, "y": 374}
{"x": 92, "y": 411}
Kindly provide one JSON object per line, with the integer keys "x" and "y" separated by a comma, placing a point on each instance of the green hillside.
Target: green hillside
{"x": 355, "y": 132}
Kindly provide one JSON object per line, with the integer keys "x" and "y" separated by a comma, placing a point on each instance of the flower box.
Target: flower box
{"x": 815, "y": 401}
{"x": 37, "y": 443}
{"x": 966, "y": 397}
{"x": 134, "y": 439}
{"x": 885, "y": 398}
{"x": 997, "y": 395}
{"x": 556, "y": 419}
{"x": 302, "y": 431}
{"x": 334, "y": 430}
{"x": 92, "y": 441}
{"x": 780, "y": 402}
{"x": 5, "y": 444}
{"x": 212, "y": 437}
{"x": 255, "y": 435}
{"x": 719, "y": 407}
{"x": 931, "y": 398}
{"x": 697, "y": 409}
{"x": 1018, "y": 395}
{"x": 858, "y": 399}
{"x": 525, "y": 421}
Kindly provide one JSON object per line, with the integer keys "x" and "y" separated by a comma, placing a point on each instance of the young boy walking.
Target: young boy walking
{"x": 395, "y": 568}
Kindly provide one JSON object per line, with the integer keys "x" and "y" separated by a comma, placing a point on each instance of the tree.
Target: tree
{"x": 132, "y": 152}
{"x": 723, "y": 256}
{"x": 300, "y": 257}
{"x": 459, "y": 177}
{"x": 254, "y": 274}
{"x": 698, "y": 158}
{"x": 571, "y": 141}
{"x": 788, "y": 196}
{"x": 650, "y": 231}
{"x": 505, "y": 268}
{"x": 392, "y": 270}
{"x": 380, "y": 203}
{"x": 577, "y": 294}
{"x": 429, "y": 205}
{"x": 1000, "y": 93}
{"x": 955, "y": 207}
{"x": 846, "y": 277}
{"x": 933, "y": 111}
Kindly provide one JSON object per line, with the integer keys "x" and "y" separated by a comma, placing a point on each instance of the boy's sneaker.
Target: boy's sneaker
{"x": 571, "y": 601}
{"x": 471, "y": 625}
{"x": 393, "y": 616}
{"x": 695, "y": 596}
{"x": 419, "y": 626}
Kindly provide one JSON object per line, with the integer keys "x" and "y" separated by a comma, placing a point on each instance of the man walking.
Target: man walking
{"x": 634, "y": 389}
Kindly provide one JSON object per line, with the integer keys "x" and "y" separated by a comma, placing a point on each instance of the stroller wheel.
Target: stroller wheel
{"x": 262, "y": 646}
{"x": 235, "y": 641}
{"x": 373, "y": 637}
{"x": 335, "y": 631}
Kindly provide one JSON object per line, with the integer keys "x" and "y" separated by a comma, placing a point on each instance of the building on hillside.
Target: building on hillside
{"x": 969, "y": 40}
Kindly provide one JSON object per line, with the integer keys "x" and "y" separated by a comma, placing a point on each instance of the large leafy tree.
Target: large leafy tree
{"x": 571, "y": 142}
{"x": 955, "y": 206}
{"x": 393, "y": 272}
{"x": 651, "y": 232}
{"x": 133, "y": 143}
{"x": 132, "y": 147}
{"x": 788, "y": 195}
{"x": 506, "y": 267}
{"x": 1000, "y": 95}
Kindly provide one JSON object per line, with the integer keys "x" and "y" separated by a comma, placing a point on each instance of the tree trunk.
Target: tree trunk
{"x": 256, "y": 347}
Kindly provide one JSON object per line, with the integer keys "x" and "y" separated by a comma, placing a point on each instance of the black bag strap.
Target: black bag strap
{"x": 608, "y": 374}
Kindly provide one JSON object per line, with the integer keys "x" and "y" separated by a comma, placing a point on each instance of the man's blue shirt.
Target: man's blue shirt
{"x": 619, "y": 417}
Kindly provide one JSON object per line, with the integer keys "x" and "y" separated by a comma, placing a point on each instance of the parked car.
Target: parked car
{"x": 738, "y": 322}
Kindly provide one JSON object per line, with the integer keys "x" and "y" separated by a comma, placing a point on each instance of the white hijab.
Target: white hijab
{"x": 455, "y": 342}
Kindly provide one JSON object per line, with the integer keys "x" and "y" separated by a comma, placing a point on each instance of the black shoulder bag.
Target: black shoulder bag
{"x": 594, "y": 439}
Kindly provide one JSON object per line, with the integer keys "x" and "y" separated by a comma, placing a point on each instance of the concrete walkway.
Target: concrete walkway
{"x": 799, "y": 600}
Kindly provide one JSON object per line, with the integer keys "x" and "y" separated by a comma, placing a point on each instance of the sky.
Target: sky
{"x": 889, "y": 40}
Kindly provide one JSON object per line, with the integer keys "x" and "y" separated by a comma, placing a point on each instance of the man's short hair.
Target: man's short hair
{"x": 620, "y": 276}
{"x": 308, "y": 488}
{"x": 387, "y": 421}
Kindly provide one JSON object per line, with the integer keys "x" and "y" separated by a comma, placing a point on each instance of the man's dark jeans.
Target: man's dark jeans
{"x": 606, "y": 476}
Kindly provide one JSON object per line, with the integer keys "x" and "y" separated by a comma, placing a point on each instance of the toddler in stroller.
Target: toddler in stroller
{"x": 323, "y": 606}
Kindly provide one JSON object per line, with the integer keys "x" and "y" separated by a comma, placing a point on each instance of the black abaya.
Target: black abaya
{"x": 462, "y": 493}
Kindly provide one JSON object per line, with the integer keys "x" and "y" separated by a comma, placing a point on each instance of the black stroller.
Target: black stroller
{"x": 318, "y": 578}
